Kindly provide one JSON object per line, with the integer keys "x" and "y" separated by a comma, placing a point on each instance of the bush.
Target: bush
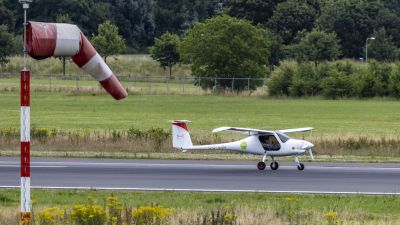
{"x": 281, "y": 79}
{"x": 306, "y": 81}
{"x": 150, "y": 215}
{"x": 51, "y": 216}
{"x": 42, "y": 134}
{"x": 114, "y": 211}
{"x": 394, "y": 82}
{"x": 134, "y": 133}
{"x": 158, "y": 135}
{"x": 337, "y": 85}
{"x": 88, "y": 214}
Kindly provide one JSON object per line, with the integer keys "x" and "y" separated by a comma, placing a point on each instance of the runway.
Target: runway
{"x": 190, "y": 175}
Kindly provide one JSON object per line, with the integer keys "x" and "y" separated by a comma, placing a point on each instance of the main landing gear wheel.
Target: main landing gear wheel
{"x": 261, "y": 165}
{"x": 274, "y": 165}
{"x": 300, "y": 166}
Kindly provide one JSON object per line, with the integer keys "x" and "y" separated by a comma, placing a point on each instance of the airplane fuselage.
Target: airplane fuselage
{"x": 253, "y": 145}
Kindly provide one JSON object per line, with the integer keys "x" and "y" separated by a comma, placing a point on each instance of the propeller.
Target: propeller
{"x": 310, "y": 154}
{"x": 308, "y": 147}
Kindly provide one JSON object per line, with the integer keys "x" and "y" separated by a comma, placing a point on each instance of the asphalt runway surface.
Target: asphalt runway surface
{"x": 191, "y": 175}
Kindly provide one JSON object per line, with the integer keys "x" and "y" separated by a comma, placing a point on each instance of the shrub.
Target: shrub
{"x": 51, "y": 216}
{"x": 305, "y": 81}
{"x": 337, "y": 85}
{"x": 42, "y": 134}
{"x": 88, "y": 214}
{"x": 150, "y": 215}
{"x": 331, "y": 218}
{"x": 134, "y": 133}
{"x": 158, "y": 135}
{"x": 281, "y": 79}
{"x": 114, "y": 211}
{"x": 394, "y": 82}
{"x": 116, "y": 135}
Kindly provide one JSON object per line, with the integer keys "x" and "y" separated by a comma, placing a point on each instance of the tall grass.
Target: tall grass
{"x": 157, "y": 140}
{"x": 72, "y": 207}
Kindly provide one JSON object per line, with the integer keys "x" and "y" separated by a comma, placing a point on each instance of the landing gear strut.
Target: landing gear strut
{"x": 261, "y": 165}
{"x": 300, "y": 166}
{"x": 274, "y": 165}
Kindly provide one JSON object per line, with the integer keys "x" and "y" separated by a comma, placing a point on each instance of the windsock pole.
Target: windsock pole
{"x": 25, "y": 133}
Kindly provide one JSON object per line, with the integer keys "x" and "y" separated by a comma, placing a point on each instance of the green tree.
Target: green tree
{"x": 317, "y": 46}
{"x": 256, "y": 11}
{"x": 6, "y": 16}
{"x": 108, "y": 42}
{"x": 292, "y": 17}
{"x": 382, "y": 48}
{"x": 176, "y": 16}
{"x": 226, "y": 47}
{"x": 135, "y": 19}
{"x": 6, "y": 44}
{"x": 165, "y": 51}
{"x": 354, "y": 21}
{"x": 276, "y": 49}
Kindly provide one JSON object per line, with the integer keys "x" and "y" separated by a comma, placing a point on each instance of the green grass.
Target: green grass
{"x": 374, "y": 206}
{"x": 330, "y": 118}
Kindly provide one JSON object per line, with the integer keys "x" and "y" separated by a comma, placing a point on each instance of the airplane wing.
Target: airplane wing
{"x": 242, "y": 130}
{"x": 296, "y": 130}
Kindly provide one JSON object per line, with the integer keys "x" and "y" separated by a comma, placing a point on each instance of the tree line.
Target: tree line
{"x": 141, "y": 21}
{"x": 241, "y": 39}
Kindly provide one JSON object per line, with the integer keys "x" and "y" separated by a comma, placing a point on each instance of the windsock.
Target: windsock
{"x": 44, "y": 40}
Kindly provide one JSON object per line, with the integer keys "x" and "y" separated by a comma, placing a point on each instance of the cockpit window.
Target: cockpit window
{"x": 282, "y": 136}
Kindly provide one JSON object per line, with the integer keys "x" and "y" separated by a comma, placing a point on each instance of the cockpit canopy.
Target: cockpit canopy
{"x": 283, "y": 137}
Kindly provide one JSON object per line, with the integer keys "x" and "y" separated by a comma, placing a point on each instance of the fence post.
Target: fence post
{"x": 50, "y": 82}
{"x": 233, "y": 83}
{"x": 148, "y": 81}
{"x": 199, "y": 85}
{"x": 183, "y": 87}
{"x": 168, "y": 80}
{"x": 77, "y": 82}
{"x": 248, "y": 84}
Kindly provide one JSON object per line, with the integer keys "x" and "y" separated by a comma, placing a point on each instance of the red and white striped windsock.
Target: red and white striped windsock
{"x": 44, "y": 40}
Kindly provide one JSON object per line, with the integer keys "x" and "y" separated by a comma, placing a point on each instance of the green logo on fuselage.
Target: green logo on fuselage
{"x": 243, "y": 145}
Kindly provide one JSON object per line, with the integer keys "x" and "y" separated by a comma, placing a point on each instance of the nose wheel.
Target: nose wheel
{"x": 300, "y": 166}
{"x": 261, "y": 165}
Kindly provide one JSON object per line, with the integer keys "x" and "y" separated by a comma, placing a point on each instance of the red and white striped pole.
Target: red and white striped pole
{"x": 25, "y": 77}
{"x": 25, "y": 148}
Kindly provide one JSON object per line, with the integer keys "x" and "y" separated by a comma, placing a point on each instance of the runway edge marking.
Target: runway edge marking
{"x": 210, "y": 190}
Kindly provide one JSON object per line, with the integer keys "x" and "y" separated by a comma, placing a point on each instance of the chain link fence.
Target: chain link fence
{"x": 139, "y": 84}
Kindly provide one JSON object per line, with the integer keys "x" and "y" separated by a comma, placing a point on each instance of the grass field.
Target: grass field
{"x": 96, "y": 123}
{"x": 276, "y": 208}
{"x": 329, "y": 118}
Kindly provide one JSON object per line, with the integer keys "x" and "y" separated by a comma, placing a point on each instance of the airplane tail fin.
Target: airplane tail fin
{"x": 180, "y": 134}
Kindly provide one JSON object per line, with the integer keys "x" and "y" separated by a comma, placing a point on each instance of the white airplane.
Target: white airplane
{"x": 260, "y": 142}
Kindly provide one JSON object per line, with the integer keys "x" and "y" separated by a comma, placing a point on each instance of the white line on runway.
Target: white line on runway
{"x": 17, "y": 166}
{"x": 213, "y": 190}
{"x": 185, "y": 165}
